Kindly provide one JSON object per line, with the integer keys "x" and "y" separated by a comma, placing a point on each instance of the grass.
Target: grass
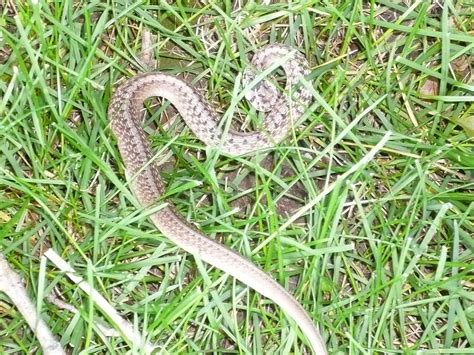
{"x": 378, "y": 249}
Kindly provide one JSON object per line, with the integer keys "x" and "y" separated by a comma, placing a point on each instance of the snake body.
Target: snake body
{"x": 125, "y": 115}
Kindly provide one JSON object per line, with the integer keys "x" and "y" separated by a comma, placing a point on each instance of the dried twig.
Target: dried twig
{"x": 12, "y": 286}
{"x": 127, "y": 329}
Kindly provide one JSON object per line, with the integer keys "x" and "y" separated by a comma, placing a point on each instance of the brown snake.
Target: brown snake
{"x": 125, "y": 114}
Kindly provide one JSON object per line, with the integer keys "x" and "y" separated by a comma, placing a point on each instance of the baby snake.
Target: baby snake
{"x": 125, "y": 115}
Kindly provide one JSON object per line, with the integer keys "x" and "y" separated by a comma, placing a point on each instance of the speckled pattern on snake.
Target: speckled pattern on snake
{"x": 125, "y": 114}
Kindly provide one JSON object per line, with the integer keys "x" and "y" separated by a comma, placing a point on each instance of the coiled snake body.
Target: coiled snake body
{"x": 125, "y": 116}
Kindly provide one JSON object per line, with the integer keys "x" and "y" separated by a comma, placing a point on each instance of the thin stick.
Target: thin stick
{"x": 12, "y": 285}
{"x": 126, "y": 329}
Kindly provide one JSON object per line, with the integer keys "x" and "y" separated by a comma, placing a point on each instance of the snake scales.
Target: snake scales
{"x": 125, "y": 115}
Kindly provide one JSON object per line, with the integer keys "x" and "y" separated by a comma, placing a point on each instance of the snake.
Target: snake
{"x": 125, "y": 114}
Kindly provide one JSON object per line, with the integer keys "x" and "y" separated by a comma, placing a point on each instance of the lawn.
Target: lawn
{"x": 364, "y": 213}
